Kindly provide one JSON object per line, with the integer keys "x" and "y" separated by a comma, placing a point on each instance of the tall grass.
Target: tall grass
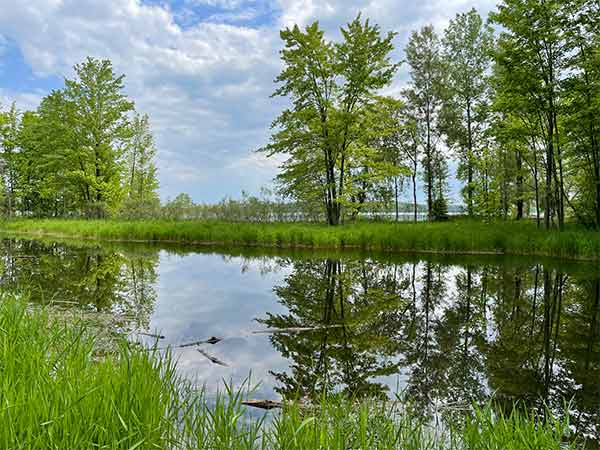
{"x": 453, "y": 237}
{"x": 57, "y": 392}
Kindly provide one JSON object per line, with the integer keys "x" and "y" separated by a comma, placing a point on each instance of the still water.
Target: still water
{"x": 444, "y": 332}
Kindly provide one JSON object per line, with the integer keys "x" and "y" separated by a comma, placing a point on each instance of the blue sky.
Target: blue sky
{"x": 202, "y": 69}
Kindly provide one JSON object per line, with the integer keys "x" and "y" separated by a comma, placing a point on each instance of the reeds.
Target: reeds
{"x": 453, "y": 237}
{"x": 58, "y": 392}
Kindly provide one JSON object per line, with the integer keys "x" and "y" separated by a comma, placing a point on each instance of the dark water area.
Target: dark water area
{"x": 443, "y": 332}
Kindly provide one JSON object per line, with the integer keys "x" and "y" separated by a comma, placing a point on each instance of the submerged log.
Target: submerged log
{"x": 212, "y": 358}
{"x": 294, "y": 329}
{"x": 156, "y": 336}
{"x": 263, "y": 404}
{"x": 211, "y": 340}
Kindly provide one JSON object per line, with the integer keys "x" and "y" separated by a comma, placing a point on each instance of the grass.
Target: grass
{"x": 57, "y": 392}
{"x": 453, "y": 237}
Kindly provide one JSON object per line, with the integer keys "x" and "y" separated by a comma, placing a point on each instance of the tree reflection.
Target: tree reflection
{"x": 358, "y": 308}
{"x": 453, "y": 335}
{"x": 93, "y": 278}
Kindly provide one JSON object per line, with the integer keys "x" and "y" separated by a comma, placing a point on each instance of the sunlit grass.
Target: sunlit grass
{"x": 57, "y": 392}
{"x": 453, "y": 237}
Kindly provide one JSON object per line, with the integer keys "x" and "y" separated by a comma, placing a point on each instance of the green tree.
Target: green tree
{"x": 330, "y": 86}
{"x": 582, "y": 98}
{"x": 72, "y": 147}
{"x": 377, "y": 170}
{"x": 531, "y": 60}
{"x": 467, "y": 44}
{"x": 425, "y": 97}
{"x": 141, "y": 182}
{"x": 9, "y": 144}
{"x": 100, "y": 127}
{"x": 181, "y": 207}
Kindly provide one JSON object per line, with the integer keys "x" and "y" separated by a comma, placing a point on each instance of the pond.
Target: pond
{"x": 441, "y": 331}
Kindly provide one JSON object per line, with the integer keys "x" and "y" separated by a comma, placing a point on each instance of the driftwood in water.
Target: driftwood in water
{"x": 156, "y": 336}
{"x": 211, "y": 340}
{"x": 211, "y": 358}
{"x": 263, "y": 404}
{"x": 294, "y": 329}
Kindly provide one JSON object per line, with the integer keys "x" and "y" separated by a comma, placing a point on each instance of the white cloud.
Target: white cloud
{"x": 24, "y": 100}
{"x": 206, "y": 84}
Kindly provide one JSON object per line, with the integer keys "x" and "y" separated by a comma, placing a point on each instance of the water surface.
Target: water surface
{"x": 445, "y": 332}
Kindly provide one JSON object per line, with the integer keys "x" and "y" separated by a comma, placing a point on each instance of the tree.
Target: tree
{"x": 582, "y": 97}
{"x": 100, "y": 126}
{"x": 467, "y": 45}
{"x": 181, "y": 207}
{"x": 50, "y": 167}
{"x": 377, "y": 171}
{"x": 140, "y": 179}
{"x": 330, "y": 86}
{"x": 425, "y": 98}
{"x": 9, "y": 144}
{"x": 530, "y": 55}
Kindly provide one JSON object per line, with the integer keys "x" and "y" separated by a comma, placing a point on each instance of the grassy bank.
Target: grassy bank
{"x": 454, "y": 237}
{"x": 57, "y": 392}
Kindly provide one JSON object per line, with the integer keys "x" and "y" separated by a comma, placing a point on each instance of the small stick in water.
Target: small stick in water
{"x": 158, "y": 336}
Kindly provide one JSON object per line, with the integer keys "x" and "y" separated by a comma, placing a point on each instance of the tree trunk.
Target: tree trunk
{"x": 549, "y": 172}
{"x": 414, "y": 183}
{"x": 561, "y": 180}
{"x": 469, "y": 163}
{"x": 396, "y": 196}
{"x": 537, "y": 187}
{"x": 519, "y": 163}
{"x": 429, "y": 167}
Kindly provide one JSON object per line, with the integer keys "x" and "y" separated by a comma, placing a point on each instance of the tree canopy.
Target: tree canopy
{"x": 83, "y": 152}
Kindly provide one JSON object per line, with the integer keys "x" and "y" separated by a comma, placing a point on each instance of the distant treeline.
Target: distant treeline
{"x": 269, "y": 207}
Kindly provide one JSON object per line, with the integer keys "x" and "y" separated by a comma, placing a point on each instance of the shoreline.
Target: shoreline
{"x": 460, "y": 237}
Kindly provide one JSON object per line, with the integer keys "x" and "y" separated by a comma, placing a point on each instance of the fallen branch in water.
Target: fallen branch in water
{"x": 157, "y": 336}
{"x": 263, "y": 404}
{"x": 295, "y": 329}
{"x": 211, "y": 340}
{"x": 212, "y": 359}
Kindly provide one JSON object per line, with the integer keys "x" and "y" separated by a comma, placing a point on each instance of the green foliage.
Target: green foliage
{"x": 331, "y": 86}
{"x": 439, "y": 209}
{"x": 141, "y": 182}
{"x": 99, "y": 127}
{"x": 79, "y": 154}
{"x": 425, "y": 97}
{"x": 467, "y": 45}
{"x": 9, "y": 143}
{"x": 519, "y": 114}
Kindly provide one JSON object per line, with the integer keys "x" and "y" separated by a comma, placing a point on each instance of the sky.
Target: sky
{"x": 203, "y": 70}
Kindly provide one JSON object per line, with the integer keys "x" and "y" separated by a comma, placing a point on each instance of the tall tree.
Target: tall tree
{"x": 425, "y": 98}
{"x": 9, "y": 145}
{"x": 141, "y": 182}
{"x": 531, "y": 54}
{"x": 582, "y": 97}
{"x": 100, "y": 124}
{"x": 330, "y": 86}
{"x": 467, "y": 44}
